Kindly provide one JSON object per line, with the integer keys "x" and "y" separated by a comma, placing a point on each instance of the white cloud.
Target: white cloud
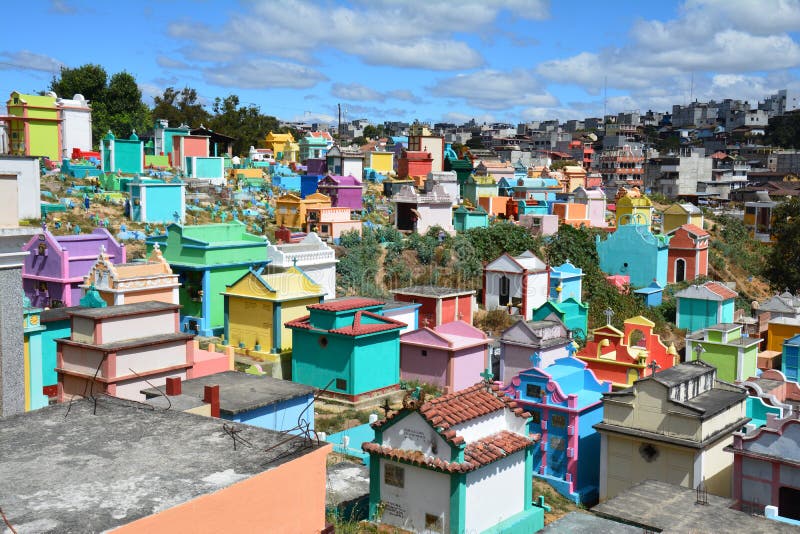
{"x": 356, "y": 91}
{"x": 413, "y": 33}
{"x": 26, "y": 60}
{"x": 171, "y": 63}
{"x": 493, "y": 89}
{"x": 461, "y": 118}
{"x": 62, "y": 7}
{"x": 263, "y": 74}
{"x": 709, "y": 39}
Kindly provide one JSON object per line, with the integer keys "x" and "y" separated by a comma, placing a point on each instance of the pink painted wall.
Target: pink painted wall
{"x": 431, "y": 369}
{"x": 468, "y": 366}
{"x": 146, "y": 359}
{"x": 138, "y": 326}
{"x": 195, "y": 146}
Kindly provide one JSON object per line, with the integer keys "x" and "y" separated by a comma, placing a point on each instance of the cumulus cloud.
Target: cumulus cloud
{"x": 263, "y": 74}
{"x": 172, "y": 63}
{"x": 494, "y": 89}
{"x": 359, "y": 92}
{"x": 27, "y": 60}
{"x": 724, "y": 44}
{"x": 424, "y": 34}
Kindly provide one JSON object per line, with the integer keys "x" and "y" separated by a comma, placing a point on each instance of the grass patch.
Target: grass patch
{"x": 559, "y": 505}
{"x": 332, "y": 422}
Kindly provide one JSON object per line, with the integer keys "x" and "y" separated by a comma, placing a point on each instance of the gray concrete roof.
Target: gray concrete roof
{"x": 585, "y": 523}
{"x": 665, "y": 507}
{"x": 683, "y": 372}
{"x": 158, "y": 339}
{"x": 241, "y": 392}
{"x": 93, "y": 472}
{"x": 432, "y": 291}
{"x": 124, "y": 309}
{"x": 58, "y": 314}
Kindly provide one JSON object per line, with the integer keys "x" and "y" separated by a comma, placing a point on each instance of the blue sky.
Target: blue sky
{"x": 512, "y": 60}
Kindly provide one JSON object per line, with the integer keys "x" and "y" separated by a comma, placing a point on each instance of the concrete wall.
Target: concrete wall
{"x": 623, "y": 465}
{"x": 414, "y": 433}
{"x": 495, "y": 492}
{"x": 424, "y": 492}
{"x": 146, "y": 359}
{"x": 26, "y": 169}
{"x": 118, "y": 329}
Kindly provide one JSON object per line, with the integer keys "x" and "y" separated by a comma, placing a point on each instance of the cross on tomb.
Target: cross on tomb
{"x": 609, "y": 313}
{"x": 571, "y": 349}
{"x": 536, "y": 359}
{"x": 487, "y": 376}
{"x": 653, "y": 366}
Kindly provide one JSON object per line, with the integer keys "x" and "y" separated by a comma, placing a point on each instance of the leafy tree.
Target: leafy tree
{"x": 246, "y": 123}
{"x": 124, "y": 108}
{"x": 783, "y": 265}
{"x": 180, "y": 107}
{"x": 560, "y": 164}
{"x": 491, "y": 242}
{"x": 784, "y": 131}
{"x": 88, "y": 80}
{"x": 374, "y": 132}
{"x": 116, "y": 102}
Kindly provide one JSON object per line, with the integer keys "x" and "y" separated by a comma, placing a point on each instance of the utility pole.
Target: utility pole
{"x": 339, "y": 106}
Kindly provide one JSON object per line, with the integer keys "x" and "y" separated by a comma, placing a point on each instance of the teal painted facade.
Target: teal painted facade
{"x": 464, "y": 219}
{"x": 758, "y": 411}
{"x": 207, "y": 258}
{"x": 634, "y": 251}
{"x": 157, "y": 202}
{"x": 696, "y": 314}
{"x": 323, "y": 355}
{"x": 32, "y": 333}
{"x": 574, "y": 315}
{"x": 122, "y": 155}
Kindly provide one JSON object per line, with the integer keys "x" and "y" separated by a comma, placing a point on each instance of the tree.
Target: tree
{"x": 116, "y": 103}
{"x": 491, "y": 242}
{"x": 246, "y": 123}
{"x": 374, "y": 132}
{"x": 560, "y": 164}
{"x": 784, "y": 131}
{"x": 783, "y": 265}
{"x": 88, "y": 80}
{"x": 124, "y": 107}
{"x": 180, "y": 107}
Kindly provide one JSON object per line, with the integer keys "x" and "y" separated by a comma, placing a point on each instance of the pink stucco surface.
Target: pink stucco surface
{"x": 451, "y": 355}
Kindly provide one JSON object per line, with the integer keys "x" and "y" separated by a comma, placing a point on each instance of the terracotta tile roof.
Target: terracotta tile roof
{"x": 476, "y": 454}
{"x": 450, "y": 410}
{"x": 356, "y": 329}
{"x": 349, "y": 303}
{"x": 721, "y": 290}
{"x": 695, "y": 230}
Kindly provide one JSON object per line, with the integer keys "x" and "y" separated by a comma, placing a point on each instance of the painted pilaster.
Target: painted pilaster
{"x": 438, "y": 319}
{"x": 205, "y": 305}
{"x": 374, "y": 484}
{"x": 697, "y": 475}
{"x": 525, "y": 312}
{"x": 458, "y": 499}
{"x": 226, "y": 312}
{"x": 276, "y": 327}
{"x": 738, "y": 372}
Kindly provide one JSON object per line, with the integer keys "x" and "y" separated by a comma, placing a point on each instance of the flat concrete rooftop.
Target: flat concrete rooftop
{"x": 93, "y": 472}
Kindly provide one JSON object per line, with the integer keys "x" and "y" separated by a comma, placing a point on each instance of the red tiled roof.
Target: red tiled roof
{"x": 477, "y": 454}
{"x": 452, "y": 409}
{"x": 356, "y": 329}
{"x": 721, "y": 290}
{"x": 350, "y": 303}
{"x": 694, "y": 229}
